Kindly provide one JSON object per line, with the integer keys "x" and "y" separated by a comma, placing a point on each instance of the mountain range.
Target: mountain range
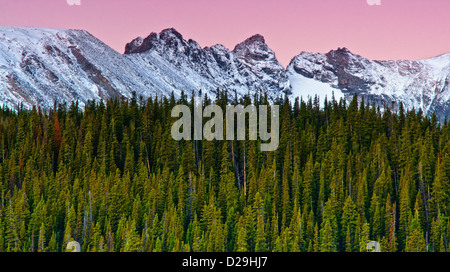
{"x": 40, "y": 66}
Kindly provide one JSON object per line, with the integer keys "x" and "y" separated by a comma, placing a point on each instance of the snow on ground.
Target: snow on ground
{"x": 304, "y": 88}
{"x": 440, "y": 64}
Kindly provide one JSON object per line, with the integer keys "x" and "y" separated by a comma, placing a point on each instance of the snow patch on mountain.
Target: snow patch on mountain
{"x": 306, "y": 88}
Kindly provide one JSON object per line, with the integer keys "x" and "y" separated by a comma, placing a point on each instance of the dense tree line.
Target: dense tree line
{"x": 111, "y": 177}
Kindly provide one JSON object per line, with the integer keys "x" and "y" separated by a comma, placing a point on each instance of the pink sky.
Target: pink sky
{"x": 398, "y": 29}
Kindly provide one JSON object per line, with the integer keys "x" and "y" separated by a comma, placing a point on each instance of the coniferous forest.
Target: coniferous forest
{"x": 111, "y": 177}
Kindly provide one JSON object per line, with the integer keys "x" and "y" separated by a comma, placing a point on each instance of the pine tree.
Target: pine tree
{"x": 260, "y": 245}
{"x": 327, "y": 242}
{"x": 241, "y": 241}
{"x": 392, "y": 239}
{"x": 315, "y": 242}
{"x": 349, "y": 218}
{"x": 416, "y": 240}
{"x": 308, "y": 183}
{"x": 286, "y": 195}
{"x": 440, "y": 191}
{"x": 364, "y": 237}
{"x": 41, "y": 242}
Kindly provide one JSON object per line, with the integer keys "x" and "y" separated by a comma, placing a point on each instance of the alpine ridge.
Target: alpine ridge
{"x": 40, "y": 67}
{"x": 419, "y": 84}
{"x": 250, "y": 67}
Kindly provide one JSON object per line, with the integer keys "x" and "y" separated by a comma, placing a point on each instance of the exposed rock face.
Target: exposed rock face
{"x": 342, "y": 59}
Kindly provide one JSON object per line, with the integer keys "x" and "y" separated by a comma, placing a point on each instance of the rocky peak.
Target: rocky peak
{"x": 134, "y": 45}
{"x": 170, "y": 33}
{"x": 340, "y": 56}
{"x": 254, "y": 48}
{"x": 169, "y": 38}
{"x": 342, "y": 50}
{"x": 257, "y": 38}
{"x": 140, "y": 45}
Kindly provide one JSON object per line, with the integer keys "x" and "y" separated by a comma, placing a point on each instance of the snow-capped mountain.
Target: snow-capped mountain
{"x": 251, "y": 66}
{"x": 421, "y": 84}
{"x": 43, "y": 66}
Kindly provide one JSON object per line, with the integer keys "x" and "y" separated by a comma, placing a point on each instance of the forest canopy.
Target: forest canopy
{"x": 111, "y": 177}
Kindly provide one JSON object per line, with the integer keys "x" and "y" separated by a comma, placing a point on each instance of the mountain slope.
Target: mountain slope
{"x": 40, "y": 66}
{"x": 422, "y": 84}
